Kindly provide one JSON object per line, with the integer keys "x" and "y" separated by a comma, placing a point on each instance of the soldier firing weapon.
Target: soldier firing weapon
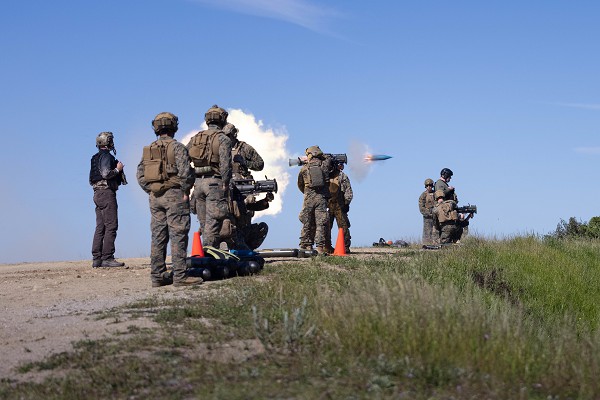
{"x": 336, "y": 158}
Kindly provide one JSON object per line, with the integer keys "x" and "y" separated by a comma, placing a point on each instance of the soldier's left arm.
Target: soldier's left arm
{"x": 253, "y": 160}
{"x": 140, "y": 177}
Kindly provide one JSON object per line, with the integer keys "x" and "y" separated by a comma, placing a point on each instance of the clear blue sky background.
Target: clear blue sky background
{"x": 506, "y": 94}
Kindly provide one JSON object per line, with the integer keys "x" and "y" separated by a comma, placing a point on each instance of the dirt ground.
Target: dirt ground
{"x": 45, "y": 307}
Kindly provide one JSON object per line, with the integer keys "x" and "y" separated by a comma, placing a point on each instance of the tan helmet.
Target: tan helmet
{"x": 165, "y": 122}
{"x": 216, "y": 115}
{"x": 438, "y": 194}
{"x": 428, "y": 182}
{"x": 105, "y": 139}
{"x": 314, "y": 151}
{"x": 231, "y": 131}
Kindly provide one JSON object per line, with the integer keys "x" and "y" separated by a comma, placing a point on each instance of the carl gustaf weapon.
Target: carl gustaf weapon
{"x": 337, "y": 159}
{"x": 250, "y": 186}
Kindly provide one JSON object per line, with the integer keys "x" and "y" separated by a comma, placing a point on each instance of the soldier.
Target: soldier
{"x": 447, "y": 221}
{"x": 244, "y": 159}
{"x": 426, "y": 204}
{"x": 313, "y": 182}
{"x": 210, "y": 150}
{"x": 339, "y": 205}
{"x": 165, "y": 174}
{"x": 106, "y": 174}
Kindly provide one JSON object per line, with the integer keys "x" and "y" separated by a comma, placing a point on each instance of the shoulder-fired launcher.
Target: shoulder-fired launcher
{"x": 468, "y": 209}
{"x": 337, "y": 159}
{"x": 250, "y": 186}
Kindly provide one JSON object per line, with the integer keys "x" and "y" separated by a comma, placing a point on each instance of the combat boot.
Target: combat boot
{"x": 329, "y": 249}
{"x": 96, "y": 263}
{"x": 306, "y": 247}
{"x": 111, "y": 262}
{"x": 321, "y": 251}
{"x": 188, "y": 281}
{"x": 167, "y": 279}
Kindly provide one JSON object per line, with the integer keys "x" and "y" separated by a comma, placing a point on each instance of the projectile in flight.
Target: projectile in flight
{"x": 377, "y": 157}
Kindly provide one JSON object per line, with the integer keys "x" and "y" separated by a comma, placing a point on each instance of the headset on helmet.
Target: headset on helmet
{"x": 230, "y": 130}
{"x": 216, "y": 115}
{"x": 446, "y": 173}
{"x": 165, "y": 122}
{"x": 105, "y": 139}
{"x": 428, "y": 182}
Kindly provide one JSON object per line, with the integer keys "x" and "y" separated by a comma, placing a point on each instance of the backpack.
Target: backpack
{"x": 315, "y": 175}
{"x": 204, "y": 150}
{"x": 160, "y": 168}
{"x": 446, "y": 211}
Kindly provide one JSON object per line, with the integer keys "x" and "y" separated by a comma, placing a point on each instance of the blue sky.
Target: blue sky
{"x": 506, "y": 94}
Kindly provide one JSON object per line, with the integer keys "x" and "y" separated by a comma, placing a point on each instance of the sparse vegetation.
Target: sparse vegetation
{"x": 516, "y": 318}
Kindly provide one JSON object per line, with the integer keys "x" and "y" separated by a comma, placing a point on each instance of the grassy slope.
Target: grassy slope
{"x": 504, "y": 319}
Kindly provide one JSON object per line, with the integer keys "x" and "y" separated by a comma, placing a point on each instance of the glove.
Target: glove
{"x": 270, "y": 196}
{"x": 346, "y": 208}
{"x": 239, "y": 159}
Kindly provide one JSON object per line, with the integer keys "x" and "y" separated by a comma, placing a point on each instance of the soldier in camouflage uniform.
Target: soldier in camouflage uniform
{"x": 447, "y": 221}
{"x": 313, "y": 182}
{"x": 210, "y": 150}
{"x": 339, "y": 205}
{"x": 106, "y": 174}
{"x": 165, "y": 174}
{"x": 244, "y": 159}
{"x": 426, "y": 204}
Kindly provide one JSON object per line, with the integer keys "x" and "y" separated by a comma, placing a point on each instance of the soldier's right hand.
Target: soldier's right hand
{"x": 120, "y": 166}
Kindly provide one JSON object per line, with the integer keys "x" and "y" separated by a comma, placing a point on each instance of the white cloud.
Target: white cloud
{"x": 299, "y": 12}
{"x": 270, "y": 144}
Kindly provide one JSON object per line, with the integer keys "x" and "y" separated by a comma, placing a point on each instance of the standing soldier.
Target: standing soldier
{"x": 339, "y": 205}
{"x": 106, "y": 174}
{"x": 165, "y": 174}
{"x": 448, "y": 222}
{"x": 210, "y": 150}
{"x": 426, "y": 204}
{"x": 313, "y": 182}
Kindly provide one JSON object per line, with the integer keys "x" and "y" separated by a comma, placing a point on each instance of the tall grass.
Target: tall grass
{"x": 515, "y": 318}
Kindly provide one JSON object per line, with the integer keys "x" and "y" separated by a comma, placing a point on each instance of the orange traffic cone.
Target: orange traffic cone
{"x": 340, "y": 246}
{"x": 197, "y": 250}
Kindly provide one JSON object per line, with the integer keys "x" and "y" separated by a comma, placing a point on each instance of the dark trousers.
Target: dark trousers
{"x": 107, "y": 223}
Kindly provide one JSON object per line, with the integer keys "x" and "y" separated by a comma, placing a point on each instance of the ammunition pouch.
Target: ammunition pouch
{"x": 227, "y": 229}
{"x": 446, "y": 212}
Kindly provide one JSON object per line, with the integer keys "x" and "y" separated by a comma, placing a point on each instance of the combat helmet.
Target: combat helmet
{"x": 428, "y": 182}
{"x": 314, "y": 151}
{"x": 216, "y": 115}
{"x": 446, "y": 173}
{"x": 105, "y": 139}
{"x": 231, "y": 131}
{"x": 165, "y": 122}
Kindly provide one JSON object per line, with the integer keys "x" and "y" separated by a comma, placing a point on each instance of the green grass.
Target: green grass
{"x": 516, "y": 318}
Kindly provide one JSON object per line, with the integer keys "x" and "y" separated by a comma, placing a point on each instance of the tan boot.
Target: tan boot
{"x": 321, "y": 251}
{"x": 188, "y": 281}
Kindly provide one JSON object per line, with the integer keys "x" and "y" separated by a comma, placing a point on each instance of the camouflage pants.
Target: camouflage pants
{"x": 428, "y": 234}
{"x": 450, "y": 232}
{"x": 212, "y": 207}
{"x": 107, "y": 223}
{"x": 170, "y": 221}
{"x": 341, "y": 218}
{"x": 314, "y": 218}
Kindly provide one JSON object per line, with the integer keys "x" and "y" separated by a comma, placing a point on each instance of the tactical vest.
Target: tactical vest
{"x": 204, "y": 152}
{"x": 334, "y": 185}
{"x": 239, "y": 168}
{"x": 160, "y": 167}
{"x": 446, "y": 211}
{"x": 315, "y": 176}
{"x": 96, "y": 176}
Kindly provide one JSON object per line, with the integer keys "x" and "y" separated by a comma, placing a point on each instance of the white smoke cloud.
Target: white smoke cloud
{"x": 270, "y": 144}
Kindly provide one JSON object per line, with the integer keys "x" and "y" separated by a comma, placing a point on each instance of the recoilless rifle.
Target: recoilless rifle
{"x": 250, "y": 186}
{"x": 336, "y": 158}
